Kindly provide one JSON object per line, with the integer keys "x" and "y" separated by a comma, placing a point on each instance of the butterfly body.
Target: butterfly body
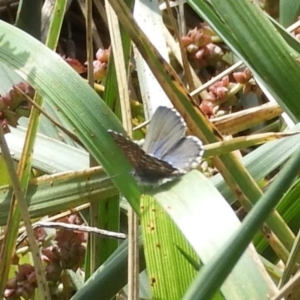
{"x": 166, "y": 152}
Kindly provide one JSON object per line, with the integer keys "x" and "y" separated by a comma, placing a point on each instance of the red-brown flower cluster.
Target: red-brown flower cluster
{"x": 100, "y": 64}
{"x": 200, "y": 46}
{"x": 65, "y": 252}
{"x": 14, "y": 105}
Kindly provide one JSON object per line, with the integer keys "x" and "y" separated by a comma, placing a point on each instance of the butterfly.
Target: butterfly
{"x": 166, "y": 153}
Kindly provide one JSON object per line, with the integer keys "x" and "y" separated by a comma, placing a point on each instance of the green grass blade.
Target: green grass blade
{"x": 207, "y": 222}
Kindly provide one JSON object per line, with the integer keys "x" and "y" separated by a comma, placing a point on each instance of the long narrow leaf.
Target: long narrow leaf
{"x": 78, "y": 103}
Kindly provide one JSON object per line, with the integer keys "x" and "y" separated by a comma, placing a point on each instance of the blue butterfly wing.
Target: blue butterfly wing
{"x": 165, "y": 130}
{"x": 166, "y": 151}
{"x": 186, "y": 153}
{"x": 146, "y": 168}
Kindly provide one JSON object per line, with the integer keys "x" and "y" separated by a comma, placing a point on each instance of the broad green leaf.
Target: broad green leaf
{"x": 47, "y": 155}
{"x": 77, "y": 102}
{"x": 208, "y": 281}
{"x": 170, "y": 273}
{"x": 207, "y": 222}
{"x": 288, "y": 12}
